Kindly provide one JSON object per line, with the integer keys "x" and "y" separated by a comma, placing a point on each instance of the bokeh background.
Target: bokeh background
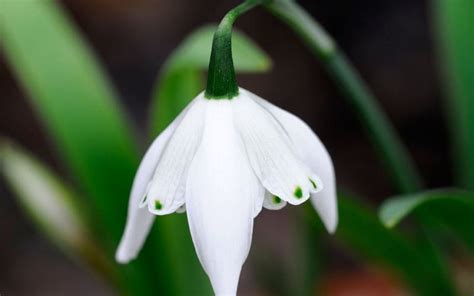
{"x": 391, "y": 44}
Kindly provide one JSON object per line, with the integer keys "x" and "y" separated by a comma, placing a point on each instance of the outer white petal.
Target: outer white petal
{"x": 312, "y": 151}
{"x": 221, "y": 199}
{"x": 273, "y": 202}
{"x": 166, "y": 194}
{"x": 270, "y": 153}
{"x": 139, "y": 221}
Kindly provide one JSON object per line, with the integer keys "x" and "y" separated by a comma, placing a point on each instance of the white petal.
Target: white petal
{"x": 222, "y": 197}
{"x": 273, "y": 202}
{"x": 139, "y": 221}
{"x": 167, "y": 188}
{"x": 312, "y": 151}
{"x": 270, "y": 153}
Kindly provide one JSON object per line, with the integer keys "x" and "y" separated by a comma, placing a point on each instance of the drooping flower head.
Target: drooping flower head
{"x": 227, "y": 155}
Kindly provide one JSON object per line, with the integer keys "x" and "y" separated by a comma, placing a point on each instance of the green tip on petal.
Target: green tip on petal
{"x": 158, "y": 205}
{"x": 298, "y": 192}
{"x": 276, "y": 199}
{"x": 313, "y": 183}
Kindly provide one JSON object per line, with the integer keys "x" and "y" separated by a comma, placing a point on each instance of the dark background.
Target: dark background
{"x": 390, "y": 42}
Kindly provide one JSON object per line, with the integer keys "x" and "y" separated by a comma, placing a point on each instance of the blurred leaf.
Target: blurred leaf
{"x": 360, "y": 229}
{"x": 78, "y": 106}
{"x": 75, "y": 101}
{"x": 176, "y": 87}
{"x": 455, "y": 35}
{"x": 51, "y": 206}
{"x": 181, "y": 78}
{"x": 449, "y": 207}
{"x": 48, "y": 202}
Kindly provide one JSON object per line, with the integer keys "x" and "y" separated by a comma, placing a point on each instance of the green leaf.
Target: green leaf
{"x": 52, "y": 207}
{"x": 45, "y": 199}
{"x": 181, "y": 79}
{"x": 79, "y": 109}
{"x": 176, "y": 88}
{"x": 360, "y": 229}
{"x": 75, "y": 101}
{"x": 454, "y": 31}
{"x": 451, "y": 208}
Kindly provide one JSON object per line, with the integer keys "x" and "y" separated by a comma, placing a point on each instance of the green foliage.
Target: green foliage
{"x": 52, "y": 207}
{"x": 455, "y": 35}
{"x": 360, "y": 229}
{"x": 79, "y": 110}
{"x": 76, "y": 103}
{"x": 47, "y": 201}
{"x": 448, "y": 208}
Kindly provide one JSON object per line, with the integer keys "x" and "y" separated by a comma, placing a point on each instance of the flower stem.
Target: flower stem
{"x": 380, "y": 130}
{"x": 221, "y": 83}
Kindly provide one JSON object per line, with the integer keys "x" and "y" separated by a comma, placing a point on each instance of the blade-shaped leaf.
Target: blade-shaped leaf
{"x": 449, "y": 207}
{"x": 52, "y": 207}
{"x": 49, "y": 203}
{"x": 180, "y": 81}
{"x": 454, "y": 31}
{"x": 78, "y": 106}
{"x": 177, "y": 86}
{"x": 75, "y": 101}
{"x": 360, "y": 229}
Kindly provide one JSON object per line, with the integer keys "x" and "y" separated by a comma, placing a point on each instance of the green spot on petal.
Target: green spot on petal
{"x": 298, "y": 192}
{"x": 158, "y": 205}
{"x": 313, "y": 183}
{"x": 276, "y": 199}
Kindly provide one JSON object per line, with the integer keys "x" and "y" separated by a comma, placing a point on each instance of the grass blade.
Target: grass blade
{"x": 360, "y": 229}
{"x": 450, "y": 208}
{"x": 79, "y": 108}
{"x": 52, "y": 207}
{"x": 454, "y": 31}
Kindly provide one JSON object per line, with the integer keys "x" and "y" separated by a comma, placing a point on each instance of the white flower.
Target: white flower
{"x": 223, "y": 160}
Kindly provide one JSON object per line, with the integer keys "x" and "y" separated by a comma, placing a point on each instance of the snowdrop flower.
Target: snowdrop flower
{"x": 227, "y": 155}
{"x": 224, "y": 160}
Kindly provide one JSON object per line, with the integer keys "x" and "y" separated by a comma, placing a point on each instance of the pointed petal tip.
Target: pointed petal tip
{"x": 122, "y": 255}
{"x": 327, "y": 211}
{"x": 331, "y": 226}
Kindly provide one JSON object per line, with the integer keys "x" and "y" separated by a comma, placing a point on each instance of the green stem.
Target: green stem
{"x": 221, "y": 82}
{"x": 381, "y": 132}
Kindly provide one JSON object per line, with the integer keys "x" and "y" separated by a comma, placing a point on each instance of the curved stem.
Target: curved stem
{"x": 381, "y": 132}
{"x": 221, "y": 82}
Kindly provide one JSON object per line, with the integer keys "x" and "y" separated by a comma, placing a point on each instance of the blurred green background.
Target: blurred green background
{"x": 85, "y": 85}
